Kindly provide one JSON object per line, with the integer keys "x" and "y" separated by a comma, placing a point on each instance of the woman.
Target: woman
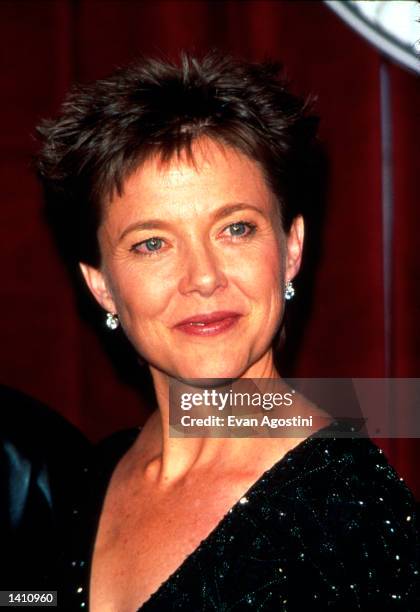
{"x": 179, "y": 189}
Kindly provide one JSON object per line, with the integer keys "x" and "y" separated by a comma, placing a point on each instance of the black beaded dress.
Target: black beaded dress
{"x": 331, "y": 526}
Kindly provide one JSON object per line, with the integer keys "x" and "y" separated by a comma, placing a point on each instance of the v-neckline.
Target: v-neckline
{"x": 251, "y": 491}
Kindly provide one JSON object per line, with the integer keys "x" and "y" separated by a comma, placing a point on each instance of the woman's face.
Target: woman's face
{"x": 198, "y": 241}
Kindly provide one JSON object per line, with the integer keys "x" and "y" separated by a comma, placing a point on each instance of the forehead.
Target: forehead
{"x": 212, "y": 175}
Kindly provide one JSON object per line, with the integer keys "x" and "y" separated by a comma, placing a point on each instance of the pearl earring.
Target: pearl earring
{"x": 289, "y": 290}
{"x": 112, "y": 321}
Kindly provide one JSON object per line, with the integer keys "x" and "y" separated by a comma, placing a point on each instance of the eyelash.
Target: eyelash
{"x": 251, "y": 230}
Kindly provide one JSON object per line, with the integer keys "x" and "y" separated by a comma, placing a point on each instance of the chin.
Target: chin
{"x": 212, "y": 366}
{"x": 205, "y": 382}
{"x": 219, "y": 373}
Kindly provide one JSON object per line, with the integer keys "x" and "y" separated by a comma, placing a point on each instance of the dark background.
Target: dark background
{"x": 49, "y": 349}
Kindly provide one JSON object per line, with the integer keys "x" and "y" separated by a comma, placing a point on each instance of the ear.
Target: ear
{"x": 294, "y": 247}
{"x": 98, "y": 286}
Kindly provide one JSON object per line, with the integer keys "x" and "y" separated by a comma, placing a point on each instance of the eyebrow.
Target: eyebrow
{"x": 221, "y": 213}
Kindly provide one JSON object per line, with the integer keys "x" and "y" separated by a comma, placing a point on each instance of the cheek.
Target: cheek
{"x": 261, "y": 274}
{"x": 141, "y": 296}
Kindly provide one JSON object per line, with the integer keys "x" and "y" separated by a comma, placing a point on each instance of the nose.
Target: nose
{"x": 202, "y": 271}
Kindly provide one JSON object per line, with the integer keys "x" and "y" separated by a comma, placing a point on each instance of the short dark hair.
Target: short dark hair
{"x": 106, "y": 129}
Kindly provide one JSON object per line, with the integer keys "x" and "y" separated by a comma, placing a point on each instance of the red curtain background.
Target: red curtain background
{"x": 47, "y": 349}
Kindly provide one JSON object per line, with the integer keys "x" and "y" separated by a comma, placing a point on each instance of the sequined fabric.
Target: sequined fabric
{"x": 331, "y": 526}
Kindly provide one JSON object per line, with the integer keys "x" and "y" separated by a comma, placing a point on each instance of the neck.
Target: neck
{"x": 174, "y": 457}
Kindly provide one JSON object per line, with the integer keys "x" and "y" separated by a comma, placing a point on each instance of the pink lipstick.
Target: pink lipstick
{"x": 209, "y": 324}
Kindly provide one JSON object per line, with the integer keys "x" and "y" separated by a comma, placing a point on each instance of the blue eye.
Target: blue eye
{"x": 149, "y": 246}
{"x": 237, "y": 229}
{"x": 241, "y": 229}
{"x": 153, "y": 244}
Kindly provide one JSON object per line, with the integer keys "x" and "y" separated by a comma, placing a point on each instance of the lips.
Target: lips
{"x": 208, "y": 324}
